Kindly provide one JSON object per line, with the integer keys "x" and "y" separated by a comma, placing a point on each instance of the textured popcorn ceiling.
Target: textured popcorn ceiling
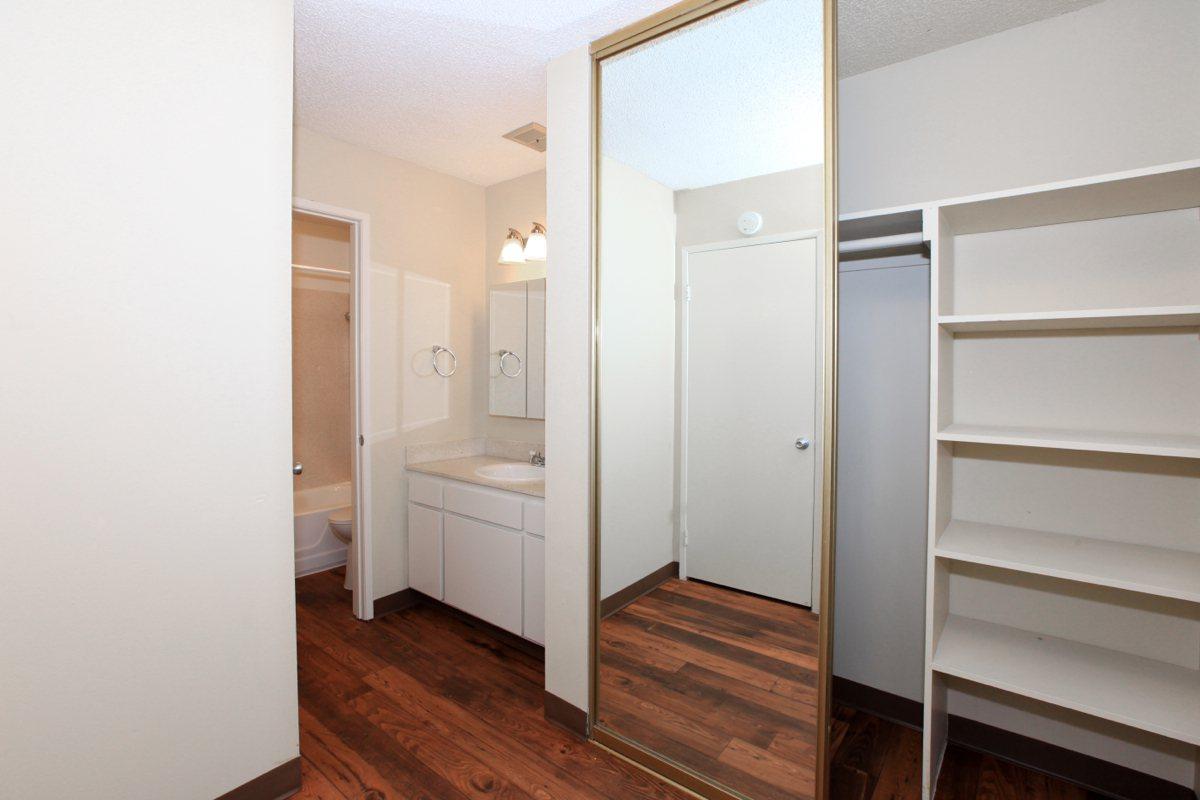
{"x": 737, "y": 95}
{"x": 438, "y": 82}
{"x": 875, "y": 33}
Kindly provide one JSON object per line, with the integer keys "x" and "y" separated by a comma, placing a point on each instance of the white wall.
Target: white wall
{"x": 637, "y": 376}
{"x": 149, "y": 624}
{"x": 1110, "y": 87}
{"x": 515, "y": 203}
{"x": 568, "y": 376}
{"x": 426, "y": 224}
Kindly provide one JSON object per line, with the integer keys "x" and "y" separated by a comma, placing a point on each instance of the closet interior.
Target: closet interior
{"x": 1064, "y": 560}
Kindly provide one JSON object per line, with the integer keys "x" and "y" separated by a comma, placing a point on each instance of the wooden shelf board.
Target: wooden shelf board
{"x": 1120, "y": 565}
{"x": 1139, "y": 692}
{"x": 1149, "y": 444}
{"x": 1087, "y": 319}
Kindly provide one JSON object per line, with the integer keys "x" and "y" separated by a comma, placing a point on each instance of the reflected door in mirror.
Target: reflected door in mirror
{"x": 710, "y": 370}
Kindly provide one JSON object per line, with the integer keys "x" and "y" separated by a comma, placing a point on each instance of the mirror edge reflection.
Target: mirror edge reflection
{"x": 670, "y": 19}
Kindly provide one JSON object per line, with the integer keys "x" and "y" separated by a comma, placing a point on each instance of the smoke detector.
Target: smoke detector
{"x": 532, "y": 136}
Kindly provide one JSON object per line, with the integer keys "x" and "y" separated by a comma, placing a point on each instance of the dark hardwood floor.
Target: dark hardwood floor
{"x": 719, "y": 681}
{"x": 874, "y": 759}
{"x": 420, "y": 705}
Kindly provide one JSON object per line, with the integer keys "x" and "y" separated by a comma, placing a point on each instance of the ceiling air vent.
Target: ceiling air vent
{"x": 532, "y": 136}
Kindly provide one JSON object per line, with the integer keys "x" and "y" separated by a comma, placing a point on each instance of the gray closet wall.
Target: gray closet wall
{"x": 883, "y": 440}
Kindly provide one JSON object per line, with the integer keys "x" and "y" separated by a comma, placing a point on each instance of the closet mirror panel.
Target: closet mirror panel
{"x": 711, "y": 404}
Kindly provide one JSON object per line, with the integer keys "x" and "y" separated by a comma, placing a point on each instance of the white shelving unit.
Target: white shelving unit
{"x": 1092, "y": 319}
{"x": 1064, "y": 478}
{"x": 1119, "y": 564}
{"x": 1176, "y": 445}
{"x": 1139, "y": 692}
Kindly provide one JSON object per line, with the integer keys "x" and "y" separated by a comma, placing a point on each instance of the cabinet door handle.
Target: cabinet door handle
{"x": 803, "y": 443}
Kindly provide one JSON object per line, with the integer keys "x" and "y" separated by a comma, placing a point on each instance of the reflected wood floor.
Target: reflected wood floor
{"x": 418, "y": 705}
{"x": 719, "y": 681}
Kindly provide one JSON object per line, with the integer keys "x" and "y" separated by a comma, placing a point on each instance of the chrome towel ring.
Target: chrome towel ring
{"x": 520, "y": 364}
{"x": 437, "y": 348}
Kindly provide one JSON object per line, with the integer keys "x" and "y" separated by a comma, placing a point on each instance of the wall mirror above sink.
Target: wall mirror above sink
{"x": 517, "y": 349}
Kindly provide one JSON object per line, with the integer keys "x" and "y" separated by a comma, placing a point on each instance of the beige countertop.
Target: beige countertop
{"x": 463, "y": 469}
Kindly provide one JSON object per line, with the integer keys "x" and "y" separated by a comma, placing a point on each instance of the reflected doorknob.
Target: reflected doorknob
{"x": 802, "y": 443}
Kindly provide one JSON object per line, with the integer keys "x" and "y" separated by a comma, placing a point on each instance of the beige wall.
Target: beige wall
{"x": 149, "y": 644}
{"x": 425, "y": 223}
{"x": 322, "y": 425}
{"x": 516, "y": 203}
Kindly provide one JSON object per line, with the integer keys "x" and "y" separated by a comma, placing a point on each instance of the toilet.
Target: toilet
{"x": 341, "y": 522}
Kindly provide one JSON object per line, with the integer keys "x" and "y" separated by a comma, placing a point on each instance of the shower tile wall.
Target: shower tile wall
{"x": 321, "y": 419}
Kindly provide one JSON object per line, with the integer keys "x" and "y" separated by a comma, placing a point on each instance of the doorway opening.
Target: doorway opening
{"x": 330, "y": 431}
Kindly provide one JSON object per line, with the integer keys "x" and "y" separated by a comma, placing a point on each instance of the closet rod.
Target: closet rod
{"x": 881, "y": 242}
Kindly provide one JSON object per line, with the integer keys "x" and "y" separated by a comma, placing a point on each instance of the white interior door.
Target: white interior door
{"x": 751, "y": 390}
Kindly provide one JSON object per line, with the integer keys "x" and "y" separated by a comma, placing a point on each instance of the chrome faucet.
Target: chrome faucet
{"x": 536, "y": 458}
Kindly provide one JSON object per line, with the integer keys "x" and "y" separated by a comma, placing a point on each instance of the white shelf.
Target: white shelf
{"x": 1133, "y": 567}
{"x": 1140, "y": 191}
{"x": 1145, "y": 694}
{"x": 1147, "y": 444}
{"x": 1087, "y": 319}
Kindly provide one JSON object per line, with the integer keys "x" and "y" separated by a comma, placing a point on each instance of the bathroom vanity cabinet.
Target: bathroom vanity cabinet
{"x": 479, "y": 549}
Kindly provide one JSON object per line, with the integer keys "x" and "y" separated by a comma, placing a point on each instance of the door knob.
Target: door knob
{"x": 297, "y": 468}
{"x": 802, "y": 443}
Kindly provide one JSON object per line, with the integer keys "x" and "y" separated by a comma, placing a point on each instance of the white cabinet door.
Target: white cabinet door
{"x": 535, "y": 589}
{"x": 483, "y": 571}
{"x": 490, "y": 505}
{"x": 425, "y": 550}
{"x": 535, "y": 517}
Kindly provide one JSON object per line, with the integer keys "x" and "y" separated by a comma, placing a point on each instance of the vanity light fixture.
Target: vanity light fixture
{"x": 513, "y": 251}
{"x": 535, "y": 245}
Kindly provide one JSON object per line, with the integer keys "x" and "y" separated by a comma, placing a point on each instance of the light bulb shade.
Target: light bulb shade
{"x": 535, "y": 245}
{"x": 513, "y": 251}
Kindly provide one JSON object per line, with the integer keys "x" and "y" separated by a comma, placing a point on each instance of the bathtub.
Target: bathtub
{"x": 317, "y": 549}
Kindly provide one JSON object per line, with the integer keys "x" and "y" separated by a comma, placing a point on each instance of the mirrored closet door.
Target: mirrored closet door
{"x": 713, "y": 396}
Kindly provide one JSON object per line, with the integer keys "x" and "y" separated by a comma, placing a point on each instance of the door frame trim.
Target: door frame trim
{"x": 360, "y": 293}
{"x": 818, "y": 396}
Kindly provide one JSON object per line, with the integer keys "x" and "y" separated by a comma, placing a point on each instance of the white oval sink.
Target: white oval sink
{"x": 516, "y": 472}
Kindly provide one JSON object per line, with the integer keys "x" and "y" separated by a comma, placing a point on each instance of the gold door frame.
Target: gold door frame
{"x": 665, "y": 21}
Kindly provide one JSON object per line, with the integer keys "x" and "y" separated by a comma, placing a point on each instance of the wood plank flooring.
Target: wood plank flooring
{"x": 719, "y": 681}
{"x": 418, "y": 705}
